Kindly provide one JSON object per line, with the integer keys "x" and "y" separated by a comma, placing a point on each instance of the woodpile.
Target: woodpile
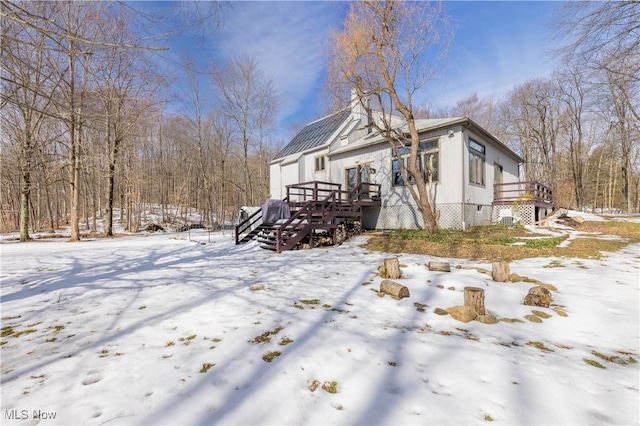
{"x": 153, "y": 227}
{"x": 346, "y": 230}
{"x": 561, "y": 216}
{"x": 341, "y": 234}
{"x": 323, "y": 241}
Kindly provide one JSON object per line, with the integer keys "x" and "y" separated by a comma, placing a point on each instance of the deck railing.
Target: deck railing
{"x": 244, "y": 228}
{"x": 522, "y": 193}
{"x": 318, "y": 190}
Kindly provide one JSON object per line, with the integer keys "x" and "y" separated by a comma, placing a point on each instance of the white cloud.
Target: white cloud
{"x": 287, "y": 39}
{"x": 497, "y": 46}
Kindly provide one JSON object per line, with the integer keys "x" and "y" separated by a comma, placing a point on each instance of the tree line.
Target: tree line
{"x": 579, "y": 129}
{"x": 91, "y": 134}
{"x": 89, "y": 127}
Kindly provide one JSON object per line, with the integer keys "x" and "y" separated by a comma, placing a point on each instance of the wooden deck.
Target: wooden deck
{"x": 523, "y": 193}
{"x": 317, "y": 208}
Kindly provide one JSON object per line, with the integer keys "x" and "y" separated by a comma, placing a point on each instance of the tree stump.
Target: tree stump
{"x": 439, "y": 266}
{"x": 474, "y": 298}
{"x": 394, "y": 289}
{"x": 392, "y": 268}
{"x": 500, "y": 271}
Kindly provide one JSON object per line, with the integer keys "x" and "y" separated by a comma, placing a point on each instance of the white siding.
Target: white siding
{"x": 483, "y": 195}
{"x": 309, "y": 174}
{"x": 275, "y": 181}
{"x": 449, "y": 189}
{"x": 373, "y": 155}
{"x": 289, "y": 177}
{"x": 458, "y": 202}
{"x": 320, "y": 175}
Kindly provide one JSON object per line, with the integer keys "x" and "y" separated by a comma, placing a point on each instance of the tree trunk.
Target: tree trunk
{"x": 24, "y": 204}
{"x": 500, "y": 271}
{"x": 474, "y": 298}
{"x": 394, "y": 289}
{"x": 74, "y": 163}
{"x": 439, "y": 266}
{"x": 108, "y": 220}
{"x": 595, "y": 196}
{"x": 52, "y": 224}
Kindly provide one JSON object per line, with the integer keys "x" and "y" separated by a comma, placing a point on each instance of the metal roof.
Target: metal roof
{"x": 315, "y": 134}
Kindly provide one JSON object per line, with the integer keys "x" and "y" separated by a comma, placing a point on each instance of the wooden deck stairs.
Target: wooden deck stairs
{"x": 317, "y": 209}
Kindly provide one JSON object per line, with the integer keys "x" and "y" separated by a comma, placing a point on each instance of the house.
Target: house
{"x": 467, "y": 161}
{"x": 340, "y": 160}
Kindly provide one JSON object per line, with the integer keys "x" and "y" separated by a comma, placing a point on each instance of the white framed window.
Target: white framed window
{"x": 319, "y": 163}
{"x": 476, "y": 163}
{"x": 428, "y": 162}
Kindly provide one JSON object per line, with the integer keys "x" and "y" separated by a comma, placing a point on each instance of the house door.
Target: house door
{"x": 357, "y": 175}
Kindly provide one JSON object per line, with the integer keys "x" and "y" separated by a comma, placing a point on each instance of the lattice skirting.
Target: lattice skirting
{"x": 408, "y": 217}
{"x": 450, "y": 216}
{"x": 525, "y": 213}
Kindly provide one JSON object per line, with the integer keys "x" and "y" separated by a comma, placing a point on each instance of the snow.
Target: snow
{"x": 586, "y": 216}
{"x": 122, "y": 328}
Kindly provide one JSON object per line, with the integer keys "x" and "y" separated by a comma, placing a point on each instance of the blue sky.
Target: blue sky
{"x": 497, "y": 44}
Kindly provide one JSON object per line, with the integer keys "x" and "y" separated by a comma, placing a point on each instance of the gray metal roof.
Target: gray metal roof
{"x": 315, "y": 134}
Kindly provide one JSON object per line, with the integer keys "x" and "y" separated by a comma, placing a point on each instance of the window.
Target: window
{"x": 427, "y": 162}
{"x": 476, "y": 162}
{"x": 429, "y": 154}
{"x": 319, "y": 163}
{"x": 357, "y": 175}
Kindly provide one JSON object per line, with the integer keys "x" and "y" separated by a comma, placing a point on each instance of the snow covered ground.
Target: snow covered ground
{"x": 154, "y": 329}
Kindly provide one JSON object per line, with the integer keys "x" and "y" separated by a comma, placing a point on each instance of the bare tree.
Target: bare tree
{"x": 533, "y": 112}
{"x": 77, "y": 23}
{"x": 573, "y": 92}
{"x": 602, "y": 35}
{"x": 250, "y": 101}
{"x": 126, "y": 83}
{"x": 623, "y": 124}
{"x": 386, "y": 52}
{"x": 28, "y": 82}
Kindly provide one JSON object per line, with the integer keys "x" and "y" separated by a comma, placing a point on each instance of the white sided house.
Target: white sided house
{"x": 339, "y": 169}
{"x": 475, "y": 176}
